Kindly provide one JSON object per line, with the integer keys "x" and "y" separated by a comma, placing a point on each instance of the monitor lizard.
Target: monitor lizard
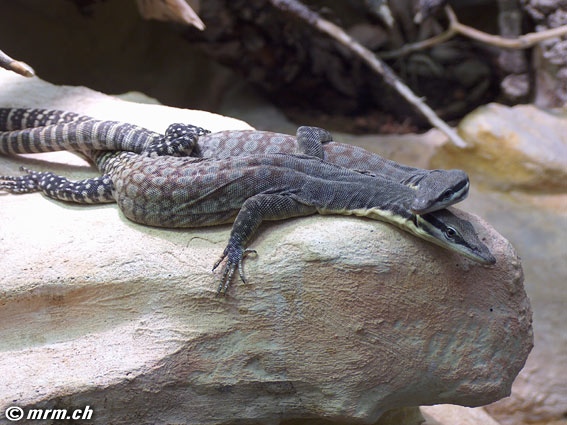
{"x": 35, "y": 129}
{"x": 184, "y": 192}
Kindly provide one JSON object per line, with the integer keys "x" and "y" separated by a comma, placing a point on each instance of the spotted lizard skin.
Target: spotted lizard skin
{"x": 37, "y": 130}
{"x": 181, "y": 192}
{"x": 435, "y": 189}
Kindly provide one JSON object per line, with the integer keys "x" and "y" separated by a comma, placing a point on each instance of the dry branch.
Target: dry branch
{"x": 170, "y": 10}
{"x": 455, "y": 28}
{"x": 19, "y": 67}
{"x": 301, "y": 11}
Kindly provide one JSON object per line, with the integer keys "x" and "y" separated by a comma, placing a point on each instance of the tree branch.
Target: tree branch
{"x": 298, "y": 9}
{"x": 455, "y": 27}
{"x": 10, "y": 64}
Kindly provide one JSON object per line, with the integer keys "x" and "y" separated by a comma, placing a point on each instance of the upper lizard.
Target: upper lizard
{"x": 34, "y": 130}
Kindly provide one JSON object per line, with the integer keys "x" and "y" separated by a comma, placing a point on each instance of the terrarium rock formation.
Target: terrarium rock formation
{"x": 342, "y": 319}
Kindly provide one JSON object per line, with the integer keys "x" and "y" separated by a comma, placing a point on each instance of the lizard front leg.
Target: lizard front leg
{"x": 253, "y": 211}
{"x": 97, "y": 190}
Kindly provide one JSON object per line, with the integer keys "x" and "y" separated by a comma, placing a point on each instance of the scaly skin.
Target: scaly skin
{"x": 193, "y": 192}
{"x": 37, "y": 130}
{"x": 40, "y": 130}
{"x": 435, "y": 189}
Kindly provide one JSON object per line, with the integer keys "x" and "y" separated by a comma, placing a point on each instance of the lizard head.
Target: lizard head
{"x": 439, "y": 189}
{"x": 449, "y": 231}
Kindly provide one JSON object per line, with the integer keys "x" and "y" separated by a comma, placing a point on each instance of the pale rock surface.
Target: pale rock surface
{"x": 520, "y": 154}
{"x": 520, "y": 147}
{"x": 456, "y": 415}
{"x": 343, "y": 318}
{"x": 537, "y": 227}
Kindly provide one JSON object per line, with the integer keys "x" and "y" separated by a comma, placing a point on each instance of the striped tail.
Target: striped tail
{"x": 37, "y": 130}
{"x": 20, "y": 118}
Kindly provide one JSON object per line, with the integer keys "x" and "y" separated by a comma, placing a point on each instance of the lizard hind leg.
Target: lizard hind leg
{"x": 310, "y": 141}
{"x": 179, "y": 140}
{"x": 20, "y": 184}
{"x": 96, "y": 190}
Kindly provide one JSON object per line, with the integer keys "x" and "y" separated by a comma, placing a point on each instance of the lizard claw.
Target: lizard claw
{"x": 235, "y": 256}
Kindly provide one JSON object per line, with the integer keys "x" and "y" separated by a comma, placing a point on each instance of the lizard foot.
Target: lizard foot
{"x": 179, "y": 140}
{"x": 234, "y": 257}
{"x": 21, "y": 184}
{"x": 96, "y": 190}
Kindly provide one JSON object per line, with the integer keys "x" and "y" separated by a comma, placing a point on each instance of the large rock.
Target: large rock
{"x": 520, "y": 156}
{"x": 512, "y": 148}
{"x": 447, "y": 414}
{"x": 343, "y": 318}
{"x": 96, "y": 309}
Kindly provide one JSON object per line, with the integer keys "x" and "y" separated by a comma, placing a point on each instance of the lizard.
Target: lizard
{"x": 185, "y": 192}
{"x": 435, "y": 189}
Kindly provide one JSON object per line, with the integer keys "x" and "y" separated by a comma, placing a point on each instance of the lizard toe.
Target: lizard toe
{"x": 240, "y": 264}
{"x": 20, "y": 184}
{"x": 234, "y": 256}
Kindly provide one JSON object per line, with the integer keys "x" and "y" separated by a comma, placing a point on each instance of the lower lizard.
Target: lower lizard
{"x": 35, "y": 130}
{"x": 181, "y": 192}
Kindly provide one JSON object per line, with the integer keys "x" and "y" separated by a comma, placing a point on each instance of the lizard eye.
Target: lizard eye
{"x": 450, "y": 233}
